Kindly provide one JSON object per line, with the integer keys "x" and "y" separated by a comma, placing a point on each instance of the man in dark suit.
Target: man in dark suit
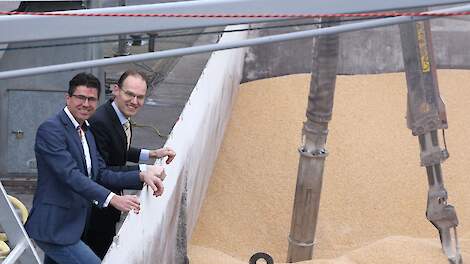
{"x": 72, "y": 176}
{"x": 112, "y": 129}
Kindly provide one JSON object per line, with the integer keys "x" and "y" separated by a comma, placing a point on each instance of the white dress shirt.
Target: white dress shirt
{"x": 86, "y": 149}
{"x": 144, "y": 153}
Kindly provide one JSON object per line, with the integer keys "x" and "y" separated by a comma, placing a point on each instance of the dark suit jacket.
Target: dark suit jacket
{"x": 112, "y": 144}
{"x": 111, "y": 138}
{"x": 65, "y": 193}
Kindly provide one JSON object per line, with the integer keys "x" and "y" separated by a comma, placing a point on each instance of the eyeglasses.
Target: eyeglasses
{"x": 83, "y": 99}
{"x": 131, "y": 95}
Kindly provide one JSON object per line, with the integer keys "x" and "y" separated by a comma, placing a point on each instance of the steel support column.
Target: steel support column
{"x": 96, "y": 50}
{"x": 313, "y": 152}
{"x": 123, "y": 44}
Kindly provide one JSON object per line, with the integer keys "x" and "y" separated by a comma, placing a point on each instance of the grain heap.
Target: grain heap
{"x": 374, "y": 191}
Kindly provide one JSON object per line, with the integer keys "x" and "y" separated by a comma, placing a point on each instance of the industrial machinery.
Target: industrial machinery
{"x": 425, "y": 113}
{"x": 425, "y": 116}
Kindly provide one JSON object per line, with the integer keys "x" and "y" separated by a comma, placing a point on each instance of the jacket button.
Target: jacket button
{"x": 95, "y": 202}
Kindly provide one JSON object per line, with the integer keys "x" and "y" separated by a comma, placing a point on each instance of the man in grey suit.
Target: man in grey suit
{"x": 72, "y": 176}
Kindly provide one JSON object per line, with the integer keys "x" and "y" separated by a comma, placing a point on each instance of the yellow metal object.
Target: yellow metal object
{"x": 4, "y": 249}
{"x": 20, "y": 206}
{"x": 422, "y": 45}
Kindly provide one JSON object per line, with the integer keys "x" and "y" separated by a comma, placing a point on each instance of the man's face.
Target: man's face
{"x": 130, "y": 97}
{"x": 82, "y": 104}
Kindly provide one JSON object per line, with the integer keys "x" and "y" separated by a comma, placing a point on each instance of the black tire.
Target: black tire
{"x": 261, "y": 255}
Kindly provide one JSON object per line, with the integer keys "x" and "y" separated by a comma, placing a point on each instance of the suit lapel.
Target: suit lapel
{"x": 75, "y": 137}
{"x": 117, "y": 126}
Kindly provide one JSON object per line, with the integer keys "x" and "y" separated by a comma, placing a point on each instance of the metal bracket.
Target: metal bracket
{"x": 314, "y": 154}
{"x": 433, "y": 158}
{"x": 444, "y": 217}
{"x": 19, "y": 134}
{"x": 299, "y": 243}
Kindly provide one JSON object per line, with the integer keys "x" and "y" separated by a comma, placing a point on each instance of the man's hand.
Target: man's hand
{"x": 156, "y": 170}
{"x": 125, "y": 203}
{"x": 154, "y": 176}
{"x": 163, "y": 152}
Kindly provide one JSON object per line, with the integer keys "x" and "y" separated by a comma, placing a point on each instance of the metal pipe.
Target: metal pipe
{"x": 20, "y": 28}
{"x": 313, "y": 152}
{"x": 222, "y": 46}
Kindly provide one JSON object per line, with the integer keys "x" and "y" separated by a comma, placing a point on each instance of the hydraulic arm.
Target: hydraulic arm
{"x": 425, "y": 116}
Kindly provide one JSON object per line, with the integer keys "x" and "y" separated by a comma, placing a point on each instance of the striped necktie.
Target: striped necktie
{"x": 127, "y": 130}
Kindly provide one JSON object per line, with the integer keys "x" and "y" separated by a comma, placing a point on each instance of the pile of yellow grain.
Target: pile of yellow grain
{"x": 373, "y": 202}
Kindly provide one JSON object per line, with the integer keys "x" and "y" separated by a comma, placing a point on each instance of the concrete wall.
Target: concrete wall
{"x": 362, "y": 52}
{"x": 159, "y": 233}
{"x": 28, "y": 101}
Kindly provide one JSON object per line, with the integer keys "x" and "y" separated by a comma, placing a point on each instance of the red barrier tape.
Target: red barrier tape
{"x": 381, "y": 14}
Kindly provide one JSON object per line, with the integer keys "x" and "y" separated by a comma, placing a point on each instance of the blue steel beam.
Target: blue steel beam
{"x": 20, "y": 28}
{"x": 236, "y": 44}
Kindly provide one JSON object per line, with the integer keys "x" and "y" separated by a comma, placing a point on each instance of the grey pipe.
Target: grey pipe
{"x": 19, "y": 28}
{"x": 236, "y": 44}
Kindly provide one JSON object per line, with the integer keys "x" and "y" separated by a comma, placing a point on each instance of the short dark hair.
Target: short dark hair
{"x": 131, "y": 73}
{"x": 85, "y": 79}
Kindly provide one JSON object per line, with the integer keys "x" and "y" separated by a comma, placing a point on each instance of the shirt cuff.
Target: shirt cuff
{"x": 108, "y": 199}
{"x": 144, "y": 155}
{"x": 143, "y": 167}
